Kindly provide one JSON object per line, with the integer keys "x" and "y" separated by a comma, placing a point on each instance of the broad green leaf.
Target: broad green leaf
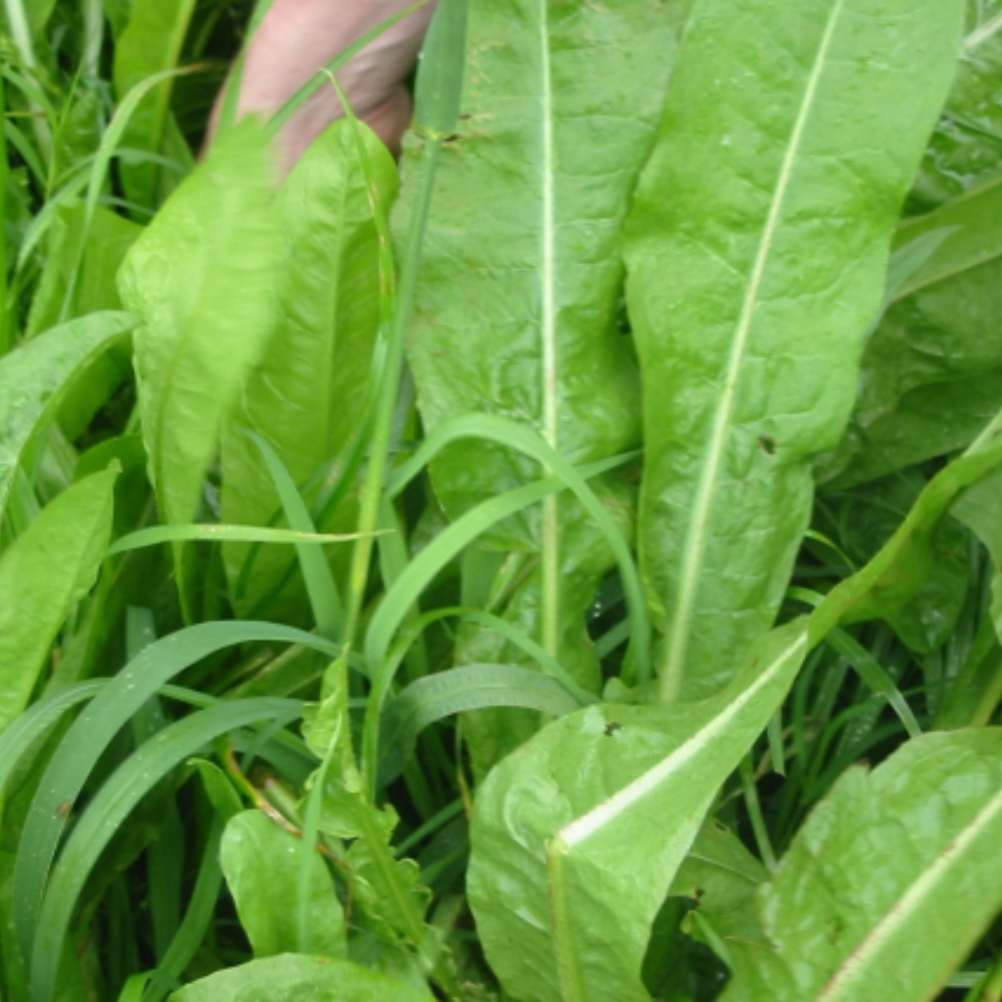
{"x": 34, "y": 378}
{"x": 967, "y": 144}
{"x": 927, "y": 422}
{"x": 97, "y": 249}
{"x": 261, "y": 863}
{"x": 564, "y": 913}
{"x": 720, "y": 876}
{"x": 43, "y": 574}
{"x": 931, "y": 375}
{"x": 757, "y": 249}
{"x": 79, "y": 279}
{"x": 890, "y": 882}
{"x": 152, "y": 43}
{"x": 307, "y": 398}
{"x": 202, "y": 279}
{"x": 295, "y": 978}
{"x": 517, "y": 307}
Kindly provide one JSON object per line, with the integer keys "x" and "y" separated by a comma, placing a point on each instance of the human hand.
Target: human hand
{"x": 299, "y": 37}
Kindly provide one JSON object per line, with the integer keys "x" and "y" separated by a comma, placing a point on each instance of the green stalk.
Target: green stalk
{"x": 232, "y": 99}
{"x": 5, "y": 333}
{"x": 393, "y": 363}
{"x": 438, "y": 97}
{"x": 316, "y": 82}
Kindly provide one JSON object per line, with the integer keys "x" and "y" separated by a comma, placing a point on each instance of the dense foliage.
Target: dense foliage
{"x": 563, "y": 566}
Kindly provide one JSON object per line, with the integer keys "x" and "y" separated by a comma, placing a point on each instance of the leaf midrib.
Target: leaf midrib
{"x": 548, "y": 334}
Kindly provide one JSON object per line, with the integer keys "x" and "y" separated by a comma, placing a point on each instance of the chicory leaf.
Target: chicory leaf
{"x": 262, "y": 863}
{"x": 758, "y": 242}
{"x": 297, "y": 978}
{"x": 307, "y": 397}
{"x": 522, "y": 319}
{"x": 564, "y": 913}
{"x": 43, "y": 574}
{"x": 931, "y": 376}
{"x": 890, "y": 882}
{"x": 202, "y": 278}
{"x": 35, "y": 377}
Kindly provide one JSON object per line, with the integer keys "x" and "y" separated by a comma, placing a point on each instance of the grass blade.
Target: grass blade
{"x": 112, "y": 805}
{"x": 459, "y": 690}
{"x": 95, "y": 728}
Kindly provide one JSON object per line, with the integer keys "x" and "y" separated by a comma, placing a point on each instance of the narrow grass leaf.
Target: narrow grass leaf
{"x": 40, "y": 717}
{"x": 519, "y": 438}
{"x": 427, "y": 564}
{"x": 511, "y": 633}
{"x": 222, "y": 533}
{"x": 459, "y": 690}
{"x": 419, "y": 573}
{"x": 321, "y": 587}
{"x": 196, "y": 923}
{"x": 110, "y": 808}
{"x": 875, "y": 676}
{"x": 95, "y": 728}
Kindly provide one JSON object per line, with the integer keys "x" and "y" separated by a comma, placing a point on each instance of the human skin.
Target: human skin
{"x": 299, "y": 37}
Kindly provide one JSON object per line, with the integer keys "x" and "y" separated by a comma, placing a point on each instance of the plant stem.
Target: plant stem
{"x": 5, "y": 333}
{"x": 389, "y": 381}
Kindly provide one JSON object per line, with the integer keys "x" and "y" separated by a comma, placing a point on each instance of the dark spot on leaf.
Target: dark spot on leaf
{"x": 699, "y": 893}
{"x": 611, "y": 728}
{"x": 767, "y": 444}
